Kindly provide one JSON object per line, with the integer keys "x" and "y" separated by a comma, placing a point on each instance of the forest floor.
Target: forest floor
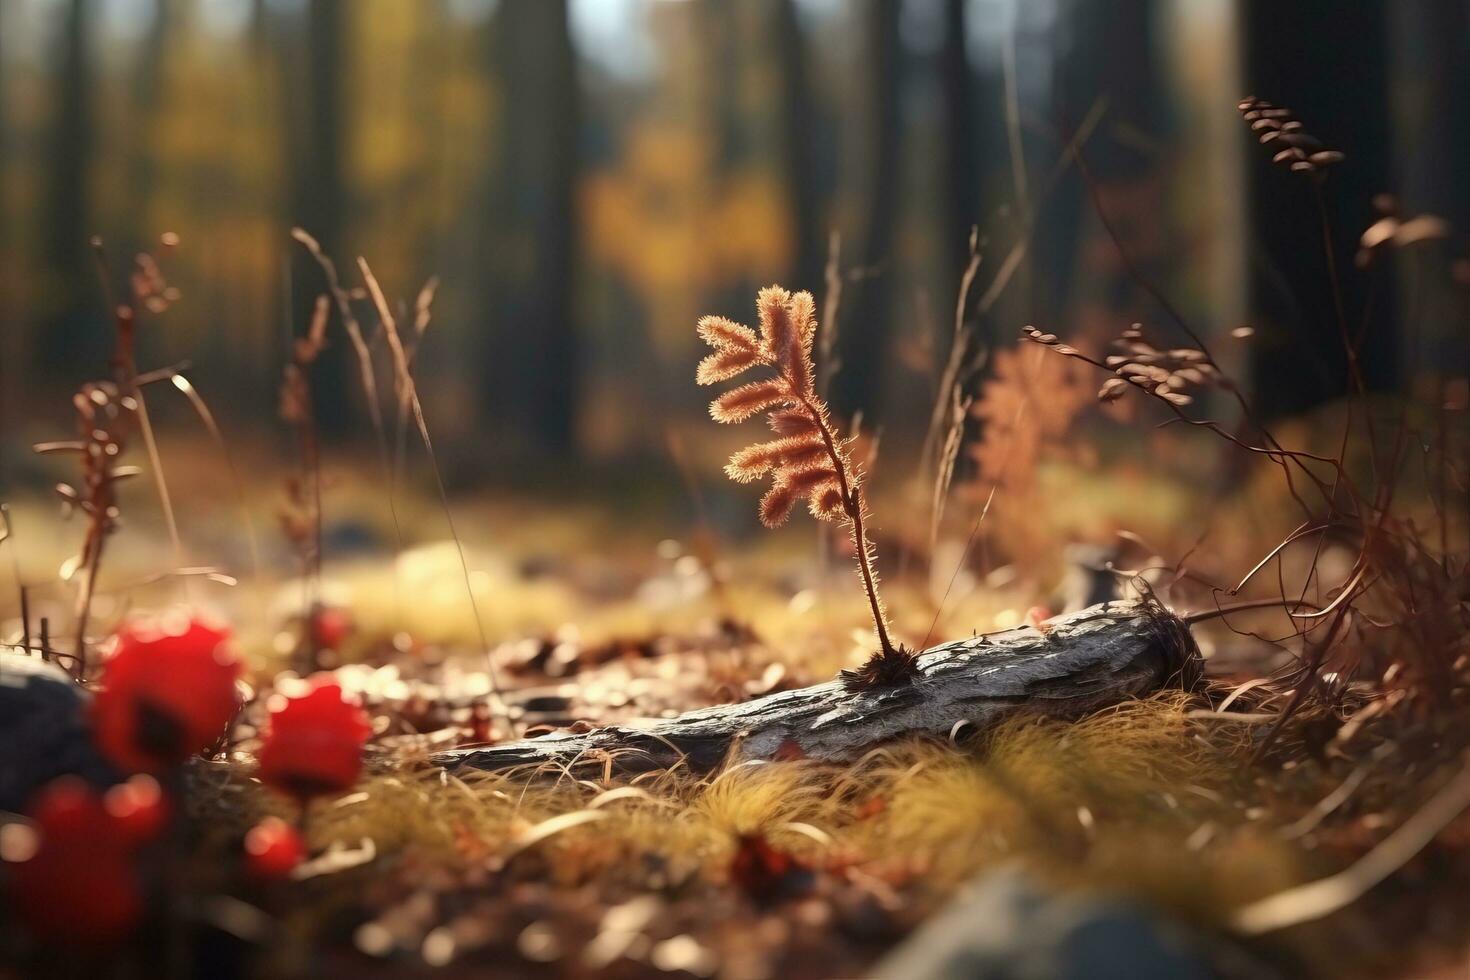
{"x": 791, "y": 868}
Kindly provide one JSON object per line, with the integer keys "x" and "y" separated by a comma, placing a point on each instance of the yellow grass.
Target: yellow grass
{"x": 1115, "y": 802}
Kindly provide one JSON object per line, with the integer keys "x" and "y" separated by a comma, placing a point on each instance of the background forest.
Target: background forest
{"x": 1143, "y": 591}
{"x": 586, "y": 177}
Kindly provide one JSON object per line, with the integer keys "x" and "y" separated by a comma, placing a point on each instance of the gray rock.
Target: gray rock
{"x": 43, "y": 730}
{"x": 1006, "y": 927}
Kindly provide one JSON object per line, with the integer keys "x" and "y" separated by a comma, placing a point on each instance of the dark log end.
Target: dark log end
{"x": 1175, "y": 642}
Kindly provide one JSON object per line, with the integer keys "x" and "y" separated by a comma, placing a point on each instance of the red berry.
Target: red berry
{"x": 766, "y": 873}
{"x": 138, "y": 808}
{"x": 67, "y": 807}
{"x": 80, "y": 883}
{"x": 273, "y": 849}
{"x": 168, "y": 691}
{"x": 313, "y": 744}
{"x": 330, "y": 626}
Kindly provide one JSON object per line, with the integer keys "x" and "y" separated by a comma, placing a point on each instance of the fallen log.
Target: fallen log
{"x": 1081, "y": 662}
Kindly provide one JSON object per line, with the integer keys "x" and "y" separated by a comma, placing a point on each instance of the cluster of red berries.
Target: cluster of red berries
{"x": 168, "y": 692}
{"x": 81, "y": 877}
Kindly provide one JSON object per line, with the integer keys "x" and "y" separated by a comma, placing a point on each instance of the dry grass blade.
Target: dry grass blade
{"x": 408, "y": 394}
{"x": 1307, "y": 903}
{"x": 949, "y": 454}
{"x": 160, "y": 481}
{"x": 946, "y": 424}
{"x": 552, "y": 826}
{"x": 301, "y": 518}
{"x": 206, "y": 417}
{"x": 366, "y": 372}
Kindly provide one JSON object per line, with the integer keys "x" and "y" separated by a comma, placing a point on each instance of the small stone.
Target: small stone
{"x": 43, "y": 730}
{"x": 1009, "y": 926}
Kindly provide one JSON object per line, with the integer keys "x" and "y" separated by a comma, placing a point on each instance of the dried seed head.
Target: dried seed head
{"x": 1278, "y": 127}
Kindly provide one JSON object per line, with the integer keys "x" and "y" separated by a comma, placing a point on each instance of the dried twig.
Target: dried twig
{"x": 1307, "y": 903}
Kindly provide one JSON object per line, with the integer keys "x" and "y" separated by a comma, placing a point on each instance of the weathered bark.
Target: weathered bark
{"x": 1089, "y": 660}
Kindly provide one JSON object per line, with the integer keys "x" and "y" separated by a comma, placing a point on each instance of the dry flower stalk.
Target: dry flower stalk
{"x": 809, "y": 458}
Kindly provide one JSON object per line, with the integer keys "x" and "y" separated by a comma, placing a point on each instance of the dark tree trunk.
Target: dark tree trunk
{"x": 17, "y": 346}
{"x": 962, "y": 141}
{"x": 798, "y": 138}
{"x": 867, "y": 309}
{"x": 1112, "y": 55}
{"x": 147, "y": 95}
{"x": 1432, "y": 159}
{"x": 1328, "y": 62}
{"x": 314, "y": 116}
{"x": 75, "y": 341}
{"x": 532, "y": 342}
{"x": 1432, "y": 42}
{"x": 1089, "y": 660}
{"x": 260, "y": 26}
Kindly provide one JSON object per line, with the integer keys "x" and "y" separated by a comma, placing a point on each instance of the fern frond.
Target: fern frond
{"x": 775, "y": 319}
{"x": 811, "y": 458}
{"x": 800, "y": 370}
{"x": 724, "y": 364}
{"x": 804, "y": 318}
{"x": 825, "y": 503}
{"x": 724, "y": 334}
{"x": 776, "y": 505}
{"x": 793, "y": 422}
{"x": 809, "y": 479}
{"x": 805, "y": 451}
{"x": 739, "y": 404}
{"x": 761, "y": 458}
{"x": 798, "y": 366}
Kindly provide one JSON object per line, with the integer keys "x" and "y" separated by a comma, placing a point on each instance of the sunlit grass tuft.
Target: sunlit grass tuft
{"x": 1130, "y": 800}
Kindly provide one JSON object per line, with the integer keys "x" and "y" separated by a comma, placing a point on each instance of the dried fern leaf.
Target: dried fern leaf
{"x": 724, "y": 334}
{"x": 739, "y": 404}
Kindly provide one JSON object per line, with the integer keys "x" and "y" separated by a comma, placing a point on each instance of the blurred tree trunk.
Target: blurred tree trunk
{"x": 74, "y": 342}
{"x": 864, "y": 335}
{"x": 1432, "y": 158}
{"x": 313, "y": 116}
{"x": 797, "y": 123}
{"x": 961, "y": 132}
{"x": 532, "y": 364}
{"x": 1113, "y": 56}
{"x": 260, "y": 26}
{"x": 146, "y": 98}
{"x": 717, "y": 38}
{"x": 5, "y": 229}
{"x": 1328, "y": 62}
{"x": 17, "y": 341}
